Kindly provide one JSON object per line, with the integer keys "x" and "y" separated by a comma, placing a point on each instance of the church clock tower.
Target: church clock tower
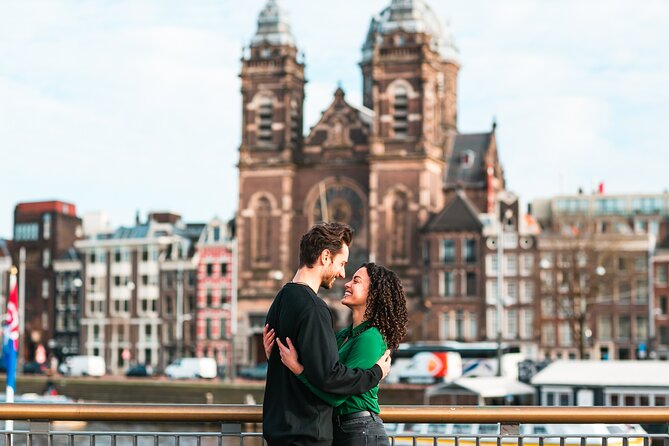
{"x": 273, "y": 82}
{"x": 409, "y": 69}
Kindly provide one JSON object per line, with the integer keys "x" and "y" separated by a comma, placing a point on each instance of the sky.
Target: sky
{"x": 127, "y": 106}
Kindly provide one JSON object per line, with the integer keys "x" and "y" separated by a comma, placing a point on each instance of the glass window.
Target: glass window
{"x": 624, "y": 329}
{"x": 641, "y": 328}
{"x": 641, "y": 291}
{"x": 604, "y": 331}
{"x": 473, "y": 326}
{"x": 511, "y": 264}
{"x": 471, "y": 283}
{"x": 448, "y": 284}
{"x": 46, "y": 226}
{"x": 661, "y": 274}
{"x": 469, "y": 249}
{"x": 459, "y": 324}
{"x": 400, "y": 112}
{"x": 448, "y": 251}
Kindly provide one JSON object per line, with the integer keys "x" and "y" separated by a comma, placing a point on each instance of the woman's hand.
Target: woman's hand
{"x": 289, "y": 357}
{"x": 268, "y": 337}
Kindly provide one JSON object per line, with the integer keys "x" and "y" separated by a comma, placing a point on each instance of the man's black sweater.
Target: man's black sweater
{"x": 293, "y": 415}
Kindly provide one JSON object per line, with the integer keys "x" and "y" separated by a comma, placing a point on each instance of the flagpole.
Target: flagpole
{"x": 22, "y": 307}
{"x": 9, "y": 346}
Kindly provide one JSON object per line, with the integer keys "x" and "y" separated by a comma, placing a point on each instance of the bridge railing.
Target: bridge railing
{"x": 228, "y": 425}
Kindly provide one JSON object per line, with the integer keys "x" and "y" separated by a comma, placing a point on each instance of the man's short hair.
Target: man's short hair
{"x": 322, "y": 236}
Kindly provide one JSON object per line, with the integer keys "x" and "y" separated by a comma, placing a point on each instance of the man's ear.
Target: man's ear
{"x": 325, "y": 256}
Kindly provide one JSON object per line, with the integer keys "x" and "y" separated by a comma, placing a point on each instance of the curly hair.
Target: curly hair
{"x": 386, "y": 304}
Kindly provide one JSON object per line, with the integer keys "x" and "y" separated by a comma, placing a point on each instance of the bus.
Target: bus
{"x": 433, "y": 362}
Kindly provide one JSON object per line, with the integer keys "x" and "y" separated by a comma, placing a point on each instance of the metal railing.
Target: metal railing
{"x": 227, "y": 425}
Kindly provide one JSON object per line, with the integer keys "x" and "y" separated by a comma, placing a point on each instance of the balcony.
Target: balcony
{"x": 219, "y": 425}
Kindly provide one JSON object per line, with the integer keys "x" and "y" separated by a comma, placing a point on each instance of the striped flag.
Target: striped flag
{"x": 10, "y": 347}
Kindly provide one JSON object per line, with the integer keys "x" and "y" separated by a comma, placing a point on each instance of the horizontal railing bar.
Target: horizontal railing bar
{"x": 390, "y": 414}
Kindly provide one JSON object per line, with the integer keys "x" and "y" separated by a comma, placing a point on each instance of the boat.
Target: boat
{"x": 532, "y": 434}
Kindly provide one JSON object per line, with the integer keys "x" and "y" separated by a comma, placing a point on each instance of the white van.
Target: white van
{"x": 192, "y": 368}
{"x": 83, "y": 366}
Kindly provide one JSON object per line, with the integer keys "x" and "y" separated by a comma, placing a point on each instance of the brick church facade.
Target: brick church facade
{"x": 387, "y": 168}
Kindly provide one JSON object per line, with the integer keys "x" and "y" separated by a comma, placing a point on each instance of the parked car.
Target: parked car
{"x": 139, "y": 370}
{"x": 185, "y": 368}
{"x": 256, "y": 372}
{"x": 83, "y": 365}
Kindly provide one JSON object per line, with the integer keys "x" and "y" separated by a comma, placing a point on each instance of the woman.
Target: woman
{"x": 379, "y": 313}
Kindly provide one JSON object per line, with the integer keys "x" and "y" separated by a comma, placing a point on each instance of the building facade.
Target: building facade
{"x": 45, "y": 231}
{"x": 382, "y": 167}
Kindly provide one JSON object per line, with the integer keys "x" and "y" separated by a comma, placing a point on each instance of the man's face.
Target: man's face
{"x": 335, "y": 267}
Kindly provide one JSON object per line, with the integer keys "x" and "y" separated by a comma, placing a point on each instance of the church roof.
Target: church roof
{"x": 273, "y": 26}
{"x": 459, "y": 215}
{"x": 466, "y": 167}
{"x": 357, "y": 123}
{"x": 413, "y": 16}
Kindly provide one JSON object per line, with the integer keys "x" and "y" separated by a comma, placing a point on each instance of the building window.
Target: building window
{"x": 447, "y": 285}
{"x": 45, "y": 288}
{"x": 548, "y": 334}
{"x": 208, "y": 329}
{"x": 661, "y": 274}
{"x": 469, "y": 251}
{"x": 641, "y": 328}
{"x": 46, "y": 258}
{"x": 512, "y": 324}
{"x": 604, "y": 331}
{"x": 400, "y": 112}
{"x": 46, "y": 226}
{"x": 210, "y": 269}
{"x": 448, "y": 251}
{"x": 664, "y": 305}
{"x": 624, "y": 329}
{"x": 624, "y": 292}
{"x": 224, "y": 269}
{"x": 25, "y": 232}
{"x": 565, "y": 334}
{"x": 210, "y": 297}
{"x": 460, "y": 325}
{"x": 400, "y": 226}
{"x": 262, "y": 231}
{"x": 527, "y": 321}
{"x": 473, "y": 326}
{"x": 492, "y": 264}
{"x": 641, "y": 291}
{"x": 265, "y": 118}
{"x": 511, "y": 292}
{"x": 223, "y": 328}
{"x": 471, "y": 288}
{"x": 445, "y": 326}
{"x": 511, "y": 265}
{"x": 527, "y": 294}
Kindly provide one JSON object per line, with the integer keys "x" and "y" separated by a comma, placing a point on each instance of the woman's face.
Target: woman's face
{"x": 356, "y": 290}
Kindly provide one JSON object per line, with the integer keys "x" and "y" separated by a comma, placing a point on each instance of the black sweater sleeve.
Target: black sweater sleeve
{"x": 317, "y": 349}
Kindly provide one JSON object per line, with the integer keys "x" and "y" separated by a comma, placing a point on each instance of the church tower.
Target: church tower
{"x": 273, "y": 82}
{"x": 409, "y": 67}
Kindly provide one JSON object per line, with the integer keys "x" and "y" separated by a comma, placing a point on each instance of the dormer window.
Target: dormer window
{"x": 401, "y": 112}
{"x": 265, "y": 53}
{"x": 467, "y": 158}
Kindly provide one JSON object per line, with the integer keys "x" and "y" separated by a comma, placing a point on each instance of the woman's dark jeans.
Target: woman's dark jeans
{"x": 364, "y": 431}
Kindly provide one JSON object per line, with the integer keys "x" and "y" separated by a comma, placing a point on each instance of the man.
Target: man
{"x": 292, "y": 414}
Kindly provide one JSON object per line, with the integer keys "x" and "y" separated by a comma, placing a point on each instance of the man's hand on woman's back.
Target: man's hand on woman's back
{"x": 384, "y": 363}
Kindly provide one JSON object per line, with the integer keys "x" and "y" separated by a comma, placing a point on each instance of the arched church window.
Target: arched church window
{"x": 400, "y": 227}
{"x": 262, "y": 231}
{"x": 400, "y": 112}
{"x": 265, "y": 117}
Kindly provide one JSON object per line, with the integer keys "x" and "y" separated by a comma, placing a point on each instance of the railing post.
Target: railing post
{"x": 509, "y": 429}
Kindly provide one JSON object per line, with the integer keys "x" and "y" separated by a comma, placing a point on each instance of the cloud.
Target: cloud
{"x": 125, "y": 105}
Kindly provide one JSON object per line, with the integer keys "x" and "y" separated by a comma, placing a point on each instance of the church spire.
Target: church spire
{"x": 273, "y": 26}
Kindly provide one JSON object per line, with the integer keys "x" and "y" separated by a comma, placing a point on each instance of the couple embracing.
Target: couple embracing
{"x": 321, "y": 388}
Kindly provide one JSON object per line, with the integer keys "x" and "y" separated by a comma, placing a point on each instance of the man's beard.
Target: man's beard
{"x": 328, "y": 279}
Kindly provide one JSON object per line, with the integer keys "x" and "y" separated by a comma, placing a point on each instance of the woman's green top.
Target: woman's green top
{"x": 359, "y": 347}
